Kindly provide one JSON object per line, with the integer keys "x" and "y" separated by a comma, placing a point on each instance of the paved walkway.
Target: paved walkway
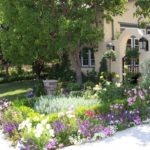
{"x": 136, "y": 138}
{"x": 5, "y": 144}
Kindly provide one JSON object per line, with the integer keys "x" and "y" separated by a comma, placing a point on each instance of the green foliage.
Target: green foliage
{"x": 56, "y": 104}
{"x": 26, "y": 111}
{"x": 110, "y": 93}
{"x": 12, "y": 115}
{"x": 89, "y": 84}
{"x": 103, "y": 66}
{"x": 132, "y": 53}
{"x": 145, "y": 71}
{"x": 92, "y": 76}
{"x": 39, "y": 88}
{"x": 61, "y": 70}
{"x": 143, "y": 12}
{"x": 110, "y": 54}
{"x": 73, "y": 87}
{"x": 24, "y": 42}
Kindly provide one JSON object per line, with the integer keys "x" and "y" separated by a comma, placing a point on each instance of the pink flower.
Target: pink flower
{"x": 89, "y": 113}
{"x": 51, "y": 144}
{"x": 107, "y": 131}
{"x": 131, "y": 101}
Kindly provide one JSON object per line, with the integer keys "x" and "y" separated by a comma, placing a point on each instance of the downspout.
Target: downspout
{"x": 112, "y": 29}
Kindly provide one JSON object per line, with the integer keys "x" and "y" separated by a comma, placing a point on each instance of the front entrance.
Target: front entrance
{"x": 131, "y": 59}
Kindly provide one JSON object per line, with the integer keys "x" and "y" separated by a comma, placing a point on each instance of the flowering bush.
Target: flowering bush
{"x": 77, "y": 123}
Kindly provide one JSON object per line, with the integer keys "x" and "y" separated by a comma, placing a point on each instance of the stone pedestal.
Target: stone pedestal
{"x": 50, "y": 86}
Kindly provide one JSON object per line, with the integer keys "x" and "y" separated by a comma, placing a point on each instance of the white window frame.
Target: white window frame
{"x": 133, "y": 43}
{"x": 89, "y": 59}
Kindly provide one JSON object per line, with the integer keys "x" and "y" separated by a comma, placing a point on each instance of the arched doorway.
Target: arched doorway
{"x": 131, "y": 59}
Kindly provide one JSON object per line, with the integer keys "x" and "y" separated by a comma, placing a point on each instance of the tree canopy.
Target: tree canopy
{"x": 143, "y": 11}
{"x": 41, "y": 28}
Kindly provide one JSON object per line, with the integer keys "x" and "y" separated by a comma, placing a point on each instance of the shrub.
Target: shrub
{"x": 145, "y": 71}
{"x": 56, "y": 104}
{"x": 23, "y": 102}
{"x": 39, "y": 88}
{"x": 12, "y": 115}
{"x": 73, "y": 87}
{"x": 110, "y": 93}
{"x": 89, "y": 84}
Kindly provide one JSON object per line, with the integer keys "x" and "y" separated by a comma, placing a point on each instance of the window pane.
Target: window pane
{"x": 136, "y": 42}
{"x": 85, "y": 62}
{"x": 87, "y": 56}
{"x": 85, "y": 53}
{"x": 92, "y": 62}
{"x": 129, "y": 42}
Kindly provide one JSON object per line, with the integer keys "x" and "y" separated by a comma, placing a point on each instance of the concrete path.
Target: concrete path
{"x": 136, "y": 138}
{"x": 5, "y": 144}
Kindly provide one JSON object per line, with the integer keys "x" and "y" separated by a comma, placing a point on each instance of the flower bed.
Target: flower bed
{"x": 29, "y": 129}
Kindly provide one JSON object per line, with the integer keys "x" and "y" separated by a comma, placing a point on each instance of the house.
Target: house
{"x": 122, "y": 33}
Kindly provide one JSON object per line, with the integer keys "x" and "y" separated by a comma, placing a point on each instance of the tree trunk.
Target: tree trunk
{"x": 75, "y": 59}
{"x": 7, "y": 70}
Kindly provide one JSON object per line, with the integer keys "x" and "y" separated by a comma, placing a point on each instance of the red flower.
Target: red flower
{"x": 89, "y": 113}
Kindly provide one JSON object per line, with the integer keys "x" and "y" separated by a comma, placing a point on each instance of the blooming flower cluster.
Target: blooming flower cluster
{"x": 4, "y": 103}
{"x": 135, "y": 94}
{"x": 51, "y": 144}
{"x": 9, "y": 127}
{"x": 89, "y": 113}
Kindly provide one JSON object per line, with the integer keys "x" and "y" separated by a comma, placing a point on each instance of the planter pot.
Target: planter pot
{"x": 50, "y": 86}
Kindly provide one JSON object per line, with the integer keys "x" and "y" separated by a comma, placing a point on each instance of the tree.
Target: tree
{"x": 40, "y": 28}
{"x": 143, "y": 12}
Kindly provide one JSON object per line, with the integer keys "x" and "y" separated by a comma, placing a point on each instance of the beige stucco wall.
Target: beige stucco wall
{"x": 120, "y": 42}
{"x": 126, "y": 17}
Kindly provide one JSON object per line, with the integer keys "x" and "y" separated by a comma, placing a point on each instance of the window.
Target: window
{"x": 148, "y": 31}
{"x": 133, "y": 43}
{"x": 87, "y": 57}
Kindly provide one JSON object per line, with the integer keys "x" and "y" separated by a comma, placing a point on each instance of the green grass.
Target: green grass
{"x": 15, "y": 89}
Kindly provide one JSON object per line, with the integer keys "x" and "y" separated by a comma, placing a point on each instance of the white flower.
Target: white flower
{"x": 52, "y": 133}
{"x": 44, "y": 121}
{"x": 29, "y": 125}
{"x": 48, "y": 126}
{"x": 38, "y": 134}
{"x": 36, "y": 118}
{"x": 118, "y": 84}
{"x": 21, "y": 126}
{"x": 71, "y": 108}
{"x": 24, "y": 124}
{"x": 104, "y": 89}
{"x": 61, "y": 114}
{"x": 107, "y": 83}
{"x": 71, "y": 116}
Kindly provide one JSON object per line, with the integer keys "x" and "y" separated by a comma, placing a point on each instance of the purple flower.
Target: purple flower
{"x": 137, "y": 120}
{"x": 131, "y": 101}
{"x": 58, "y": 126}
{"x": 88, "y": 129}
{"x": 9, "y": 127}
{"x": 107, "y": 131}
{"x": 51, "y": 144}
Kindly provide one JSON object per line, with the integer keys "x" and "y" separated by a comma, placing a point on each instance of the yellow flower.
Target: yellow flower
{"x": 117, "y": 76}
{"x": 101, "y": 77}
{"x": 126, "y": 67}
{"x": 97, "y": 85}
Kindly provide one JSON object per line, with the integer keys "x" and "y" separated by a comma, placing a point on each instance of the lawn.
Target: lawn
{"x": 15, "y": 89}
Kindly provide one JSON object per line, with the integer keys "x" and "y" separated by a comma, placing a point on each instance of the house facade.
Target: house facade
{"x": 122, "y": 33}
